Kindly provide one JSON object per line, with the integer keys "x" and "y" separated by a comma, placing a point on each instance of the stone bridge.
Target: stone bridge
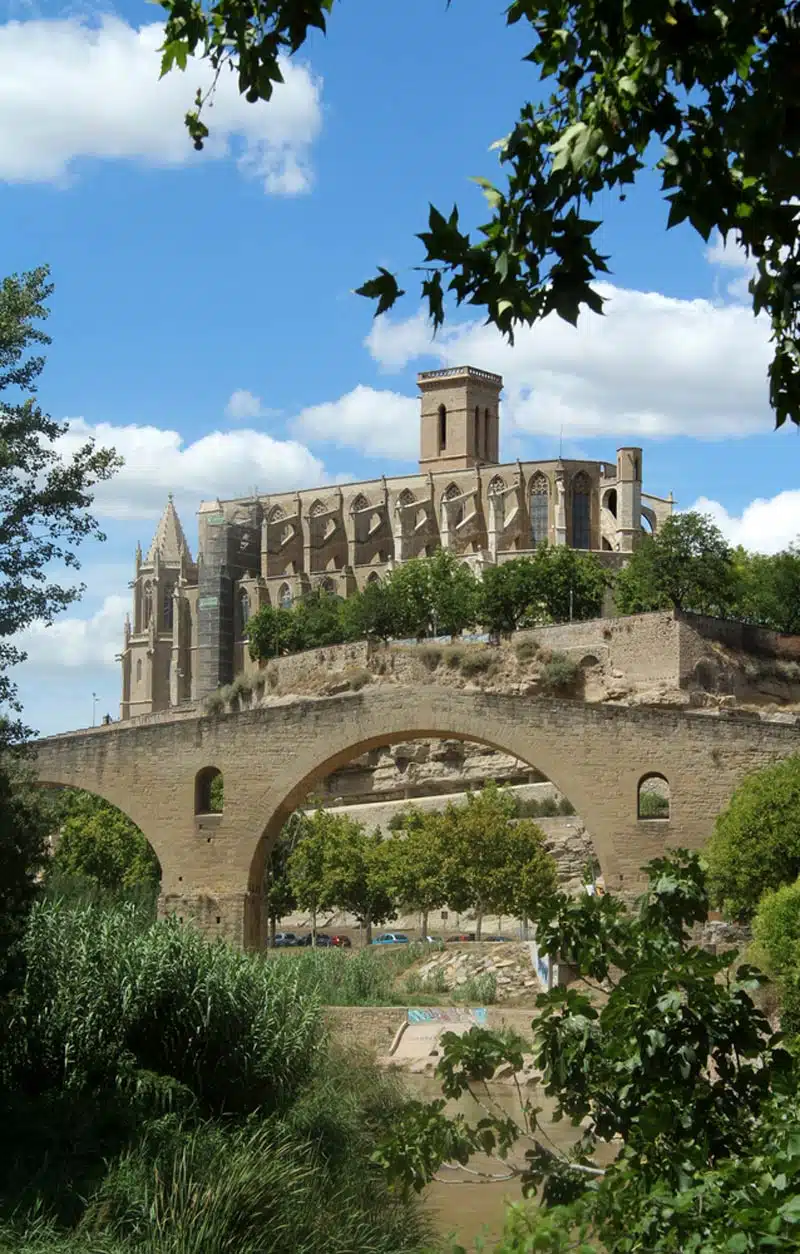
{"x": 272, "y": 756}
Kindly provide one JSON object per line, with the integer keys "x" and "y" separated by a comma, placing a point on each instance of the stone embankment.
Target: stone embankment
{"x": 508, "y": 966}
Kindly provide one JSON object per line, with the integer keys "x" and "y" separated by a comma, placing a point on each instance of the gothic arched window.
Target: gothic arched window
{"x": 496, "y": 494}
{"x": 167, "y": 605}
{"x": 540, "y": 508}
{"x": 581, "y": 511}
{"x": 139, "y": 670}
{"x": 406, "y": 497}
{"x": 244, "y": 611}
{"x": 442, "y": 428}
{"x": 285, "y": 596}
{"x": 276, "y": 514}
{"x": 328, "y": 587}
{"x": 360, "y": 503}
{"x": 147, "y": 612}
{"x": 456, "y": 516}
{"x": 316, "y": 509}
{"x": 374, "y": 577}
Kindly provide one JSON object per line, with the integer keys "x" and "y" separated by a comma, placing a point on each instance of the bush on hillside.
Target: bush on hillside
{"x": 776, "y": 933}
{"x": 559, "y": 673}
{"x": 756, "y": 841}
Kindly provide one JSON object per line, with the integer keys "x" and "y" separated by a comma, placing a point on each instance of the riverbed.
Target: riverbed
{"x": 464, "y": 1206}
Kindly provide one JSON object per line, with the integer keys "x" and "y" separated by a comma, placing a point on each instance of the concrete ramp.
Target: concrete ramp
{"x": 418, "y": 1037}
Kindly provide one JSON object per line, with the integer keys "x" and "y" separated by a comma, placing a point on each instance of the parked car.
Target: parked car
{"x": 497, "y": 940}
{"x": 341, "y": 942}
{"x": 285, "y": 940}
{"x": 390, "y": 938}
{"x": 460, "y": 937}
{"x": 324, "y": 941}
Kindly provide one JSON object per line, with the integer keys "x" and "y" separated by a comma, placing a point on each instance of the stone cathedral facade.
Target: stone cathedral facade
{"x": 186, "y": 636}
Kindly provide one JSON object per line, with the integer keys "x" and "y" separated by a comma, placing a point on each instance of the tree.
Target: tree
{"x": 279, "y": 894}
{"x": 373, "y": 613}
{"x": 672, "y": 1061}
{"x": 27, "y": 817}
{"x": 776, "y": 932}
{"x": 705, "y": 94}
{"x": 756, "y": 841}
{"x": 770, "y": 589}
{"x": 507, "y": 593}
{"x": 571, "y": 584}
{"x": 44, "y": 498}
{"x": 488, "y": 868}
{"x": 416, "y": 869}
{"x": 687, "y": 565}
{"x": 412, "y": 596}
{"x": 97, "y": 842}
{"x": 454, "y": 593}
{"x": 315, "y": 621}
{"x": 306, "y": 867}
{"x": 357, "y": 873}
{"x": 268, "y": 632}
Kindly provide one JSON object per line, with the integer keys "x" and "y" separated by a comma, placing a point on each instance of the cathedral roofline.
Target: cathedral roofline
{"x": 169, "y": 542}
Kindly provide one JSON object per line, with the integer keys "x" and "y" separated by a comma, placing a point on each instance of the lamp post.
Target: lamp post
{"x": 95, "y": 699}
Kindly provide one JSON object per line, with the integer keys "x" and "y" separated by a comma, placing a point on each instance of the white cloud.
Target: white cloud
{"x": 223, "y": 464}
{"x": 653, "y": 365}
{"x": 730, "y": 255}
{"x": 71, "y": 642}
{"x": 765, "y": 526}
{"x": 70, "y": 90}
{"x": 243, "y": 405}
{"x": 377, "y": 423}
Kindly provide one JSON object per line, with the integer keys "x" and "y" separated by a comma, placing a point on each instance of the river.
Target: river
{"x": 467, "y": 1208}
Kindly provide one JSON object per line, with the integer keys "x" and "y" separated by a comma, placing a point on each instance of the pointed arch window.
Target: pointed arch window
{"x": 147, "y": 613}
{"x": 139, "y": 670}
{"x": 442, "y": 428}
{"x": 243, "y": 607}
{"x": 285, "y": 597}
{"x": 540, "y": 509}
{"x": 328, "y": 587}
{"x": 360, "y": 503}
{"x": 455, "y": 516}
{"x": 167, "y": 606}
{"x": 276, "y": 514}
{"x": 497, "y": 497}
{"x": 581, "y": 511}
{"x": 373, "y": 578}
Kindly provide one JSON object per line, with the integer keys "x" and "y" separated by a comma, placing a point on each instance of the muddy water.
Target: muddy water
{"x": 467, "y": 1208}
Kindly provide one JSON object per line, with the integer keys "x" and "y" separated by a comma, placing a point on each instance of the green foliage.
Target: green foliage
{"x": 99, "y": 843}
{"x": 776, "y": 932}
{"x": 676, "y": 1066}
{"x": 492, "y": 862}
{"x": 769, "y": 592}
{"x": 653, "y": 806}
{"x": 687, "y": 565}
{"x": 480, "y": 990}
{"x": 756, "y": 841}
{"x": 338, "y": 865}
{"x": 27, "y": 819}
{"x": 415, "y": 867}
{"x": 44, "y": 498}
{"x": 556, "y": 585}
{"x": 559, "y": 673}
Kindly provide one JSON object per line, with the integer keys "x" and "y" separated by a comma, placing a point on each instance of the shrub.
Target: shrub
{"x": 652, "y": 805}
{"x": 559, "y": 673}
{"x": 565, "y": 806}
{"x": 478, "y": 662}
{"x": 756, "y": 841}
{"x": 272, "y": 677}
{"x": 357, "y": 679}
{"x": 453, "y": 658}
{"x": 215, "y": 703}
{"x": 478, "y": 988}
{"x": 526, "y": 650}
{"x": 430, "y": 656}
{"x": 776, "y": 933}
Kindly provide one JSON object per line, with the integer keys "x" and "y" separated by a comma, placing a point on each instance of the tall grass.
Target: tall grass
{"x": 165, "y": 1095}
{"x": 336, "y": 978}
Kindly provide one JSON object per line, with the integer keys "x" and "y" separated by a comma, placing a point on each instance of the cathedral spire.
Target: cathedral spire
{"x": 169, "y": 542}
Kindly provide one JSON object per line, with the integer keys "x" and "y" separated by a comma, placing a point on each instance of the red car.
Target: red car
{"x": 341, "y": 942}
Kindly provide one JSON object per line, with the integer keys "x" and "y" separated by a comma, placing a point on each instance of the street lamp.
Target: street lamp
{"x": 95, "y": 699}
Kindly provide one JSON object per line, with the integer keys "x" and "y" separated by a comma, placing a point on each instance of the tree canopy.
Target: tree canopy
{"x": 687, "y": 565}
{"x": 96, "y": 841}
{"x": 704, "y": 95}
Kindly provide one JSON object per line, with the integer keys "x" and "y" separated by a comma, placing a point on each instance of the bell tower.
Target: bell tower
{"x": 460, "y": 418}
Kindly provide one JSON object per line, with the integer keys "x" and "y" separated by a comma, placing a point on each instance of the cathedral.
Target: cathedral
{"x": 187, "y": 635}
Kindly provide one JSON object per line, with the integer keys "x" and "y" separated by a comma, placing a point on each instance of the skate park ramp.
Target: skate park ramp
{"x": 418, "y": 1037}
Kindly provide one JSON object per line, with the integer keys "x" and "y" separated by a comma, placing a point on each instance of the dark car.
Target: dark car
{"x": 460, "y": 937}
{"x": 341, "y": 942}
{"x": 497, "y": 940}
{"x": 324, "y": 941}
{"x": 285, "y": 940}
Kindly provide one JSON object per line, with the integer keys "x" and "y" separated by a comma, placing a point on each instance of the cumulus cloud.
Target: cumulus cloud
{"x": 729, "y": 255}
{"x": 377, "y": 423}
{"x": 72, "y": 642}
{"x": 652, "y": 366}
{"x": 71, "y": 90}
{"x": 243, "y": 406}
{"x": 223, "y": 464}
{"x": 764, "y": 526}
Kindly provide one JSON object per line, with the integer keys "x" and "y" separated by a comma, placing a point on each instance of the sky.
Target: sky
{"x": 204, "y": 321}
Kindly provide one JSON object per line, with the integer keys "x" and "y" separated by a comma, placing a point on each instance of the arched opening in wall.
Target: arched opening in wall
{"x": 497, "y": 497}
{"x": 647, "y": 524}
{"x": 147, "y": 603}
{"x": 276, "y": 514}
{"x": 539, "y": 508}
{"x": 373, "y": 578}
{"x": 610, "y": 501}
{"x": 581, "y": 511}
{"x": 285, "y": 597}
{"x": 442, "y": 428}
{"x": 243, "y": 612}
{"x": 606, "y": 545}
{"x": 209, "y": 791}
{"x": 653, "y": 797}
{"x": 167, "y": 606}
{"x": 328, "y": 587}
{"x": 454, "y": 516}
{"x": 382, "y": 783}
{"x": 98, "y": 855}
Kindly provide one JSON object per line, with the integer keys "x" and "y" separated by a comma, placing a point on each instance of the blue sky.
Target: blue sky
{"x": 204, "y": 323}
